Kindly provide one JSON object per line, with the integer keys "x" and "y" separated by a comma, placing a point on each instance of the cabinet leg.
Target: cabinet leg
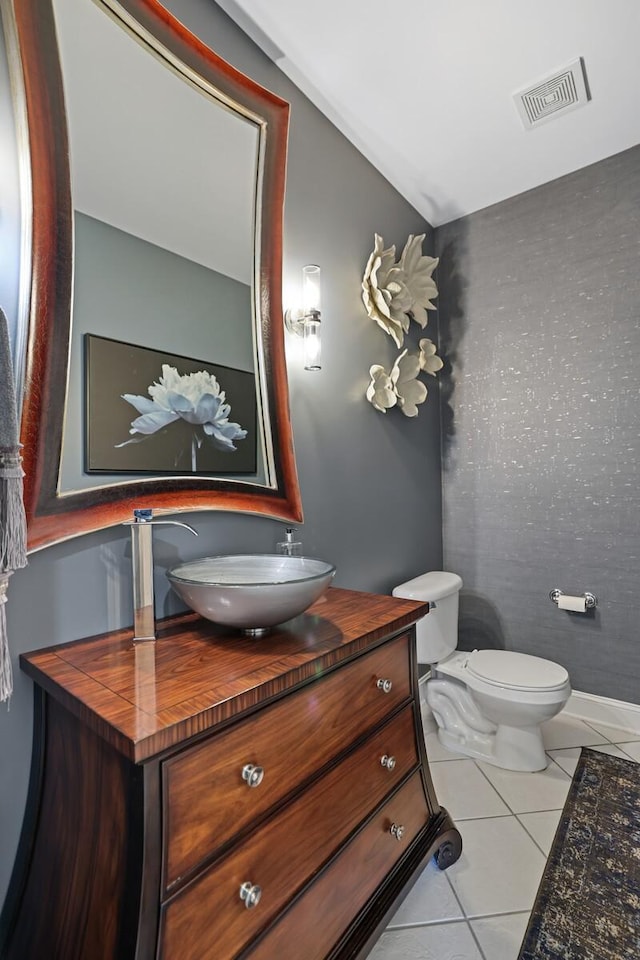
{"x": 448, "y": 852}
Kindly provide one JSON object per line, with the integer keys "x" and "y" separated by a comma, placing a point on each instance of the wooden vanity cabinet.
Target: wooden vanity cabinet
{"x": 212, "y": 796}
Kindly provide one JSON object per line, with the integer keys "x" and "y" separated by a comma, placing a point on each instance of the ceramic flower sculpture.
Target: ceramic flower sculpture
{"x": 195, "y": 398}
{"x": 380, "y": 391}
{"x": 420, "y": 285}
{"x": 394, "y": 294}
{"x": 409, "y": 390}
{"x": 400, "y": 387}
{"x": 384, "y": 292}
{"x": 429, "y": 362}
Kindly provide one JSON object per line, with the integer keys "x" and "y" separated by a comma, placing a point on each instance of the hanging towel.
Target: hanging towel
{"x": 13, "y": 527}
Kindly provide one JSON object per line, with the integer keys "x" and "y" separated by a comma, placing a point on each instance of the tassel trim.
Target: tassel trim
{"x": 13, "y": 525}
{"x": 6, "y": 673}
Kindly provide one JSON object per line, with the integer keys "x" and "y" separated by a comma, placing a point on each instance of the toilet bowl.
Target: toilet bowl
{"x": 488, "y": 704}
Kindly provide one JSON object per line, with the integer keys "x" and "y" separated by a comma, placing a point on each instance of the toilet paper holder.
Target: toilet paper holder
{"x": 590, "y": 599}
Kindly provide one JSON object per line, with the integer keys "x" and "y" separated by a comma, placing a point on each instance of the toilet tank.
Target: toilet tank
{"x": 437, "y": 633}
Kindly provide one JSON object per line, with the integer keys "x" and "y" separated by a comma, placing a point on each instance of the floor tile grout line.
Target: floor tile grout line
{"x": 488, "y": 816}
{"x": 513, "y": 812}
{"x": 503, "y": 799}
{"x": 416, "y": 924}
{"x": 463, "y": 919}
{"x": 601, "y": 733}
{"x": 620, "y": 746}
{"x": 467, "y": 919}
{"x": 505, "y": 816}
{"x": 595, "y": 729}
{"x": 507, "y": 805}
{"x": 496, "y": 916}
{"x": 559, "y": 765}
{"x": 479, "y": 917}
{"x": 454, "y": 891}
{"x": 428, "y": 923}
{"x": 506, "y": 802}
{"x": 524, "y": 827}
{"x": 504, "y": 913}
{"x": 476, "y": 941}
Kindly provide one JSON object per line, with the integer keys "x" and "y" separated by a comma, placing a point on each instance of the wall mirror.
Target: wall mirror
{"x": 156, "y": 182}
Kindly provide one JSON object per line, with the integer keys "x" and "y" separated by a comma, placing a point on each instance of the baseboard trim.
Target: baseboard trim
{"x": 611, "y": 713}
{"x": 584, "y": 706}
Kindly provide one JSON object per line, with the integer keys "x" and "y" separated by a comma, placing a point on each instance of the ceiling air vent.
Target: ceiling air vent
{"x": 564, "y": 90}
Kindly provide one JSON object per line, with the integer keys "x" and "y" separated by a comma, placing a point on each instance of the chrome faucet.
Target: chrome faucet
{"x": 144, "y": 627}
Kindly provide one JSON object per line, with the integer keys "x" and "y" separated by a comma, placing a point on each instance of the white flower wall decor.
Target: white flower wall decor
{"x": 380, "y": 391}
{"x": 395, "y": 293}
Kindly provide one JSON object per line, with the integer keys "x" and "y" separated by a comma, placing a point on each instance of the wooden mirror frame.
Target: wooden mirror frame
{"x": 53, "y": 516}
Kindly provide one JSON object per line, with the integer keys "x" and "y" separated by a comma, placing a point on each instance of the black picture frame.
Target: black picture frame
{"x": 113, "y": 368}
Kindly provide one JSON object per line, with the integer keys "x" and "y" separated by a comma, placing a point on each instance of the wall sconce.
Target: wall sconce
{"x": 305, "y": 321}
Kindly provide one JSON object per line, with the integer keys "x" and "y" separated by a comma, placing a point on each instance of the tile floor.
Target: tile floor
{"x": 478, "y": 909}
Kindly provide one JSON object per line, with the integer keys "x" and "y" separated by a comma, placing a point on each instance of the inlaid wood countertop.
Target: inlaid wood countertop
{"x": 147, "y": 697}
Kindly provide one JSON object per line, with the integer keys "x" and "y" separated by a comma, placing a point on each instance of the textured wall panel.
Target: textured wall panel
{"x": 539, "y": 313}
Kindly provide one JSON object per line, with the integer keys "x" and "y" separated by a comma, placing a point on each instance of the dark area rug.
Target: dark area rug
{"x": 588, "y": 902}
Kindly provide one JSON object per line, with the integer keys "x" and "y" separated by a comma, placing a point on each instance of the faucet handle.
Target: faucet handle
{"x": 145, "y": 515}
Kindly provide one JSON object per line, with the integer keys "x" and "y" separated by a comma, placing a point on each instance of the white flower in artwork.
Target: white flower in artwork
{"x": 384, "y": 293}
{"x": 429, "y": 362}
{"x": 195, "y": 398}
{"x": 409, "y": 390}
{"x": 419, "y": 283}
{"x": 380, "y": 391}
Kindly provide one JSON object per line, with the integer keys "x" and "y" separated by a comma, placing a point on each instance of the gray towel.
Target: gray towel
{"x": 13, "y": 527}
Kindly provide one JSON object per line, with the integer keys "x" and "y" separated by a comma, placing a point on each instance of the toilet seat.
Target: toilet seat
{"x": 516, "y": 671}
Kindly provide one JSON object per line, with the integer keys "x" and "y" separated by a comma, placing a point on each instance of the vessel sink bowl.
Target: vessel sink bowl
{"x": 251, "y": 592}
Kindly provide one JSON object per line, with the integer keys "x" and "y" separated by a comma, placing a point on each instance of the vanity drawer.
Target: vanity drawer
{"x": 317, "y": 920}
{"x": 288, "y": 850}
{"x": 206, "y": 801}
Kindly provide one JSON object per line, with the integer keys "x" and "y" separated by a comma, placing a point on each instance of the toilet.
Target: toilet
{"x": 488, "y": 704}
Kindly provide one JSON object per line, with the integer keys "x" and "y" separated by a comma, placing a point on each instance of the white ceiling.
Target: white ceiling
{"x": 425, "y": 90}
{"x": 132, "y": 125}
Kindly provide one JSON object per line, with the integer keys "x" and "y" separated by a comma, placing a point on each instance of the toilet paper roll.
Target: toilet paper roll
{"x": 575, "y": 604}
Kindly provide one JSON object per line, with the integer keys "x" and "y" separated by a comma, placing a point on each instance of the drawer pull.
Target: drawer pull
{"x": 250, "y": 893}
{"x": 396, "y": 830}
{"x": 252, "y": 774}
{"x": 388, "y": 762}
{"x": 384, "y": 685}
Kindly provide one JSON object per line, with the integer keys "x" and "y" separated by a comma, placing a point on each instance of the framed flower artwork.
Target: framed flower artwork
{"x": 152, "y": 412}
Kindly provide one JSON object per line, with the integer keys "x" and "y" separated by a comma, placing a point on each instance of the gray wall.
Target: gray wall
{"x": 539, "y": 313}
{"x": 370, "y": 483}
